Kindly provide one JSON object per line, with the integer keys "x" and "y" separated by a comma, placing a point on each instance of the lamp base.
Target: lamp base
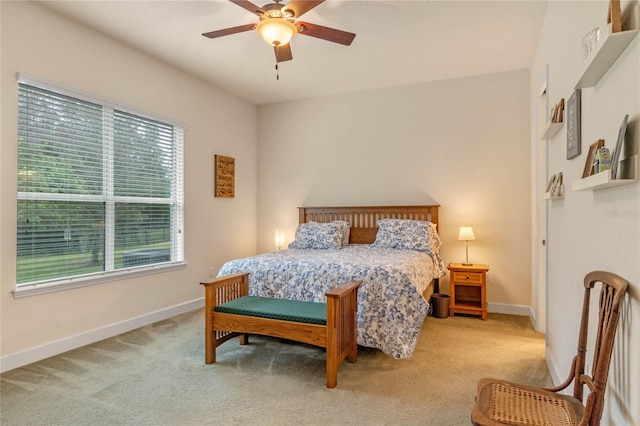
{"x": 467, "y": 264}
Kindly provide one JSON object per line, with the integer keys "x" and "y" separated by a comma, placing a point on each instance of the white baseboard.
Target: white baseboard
{"x": 19, "y": 359}
{"x": 502, "y": 308}
{"x": 553, "y": 370}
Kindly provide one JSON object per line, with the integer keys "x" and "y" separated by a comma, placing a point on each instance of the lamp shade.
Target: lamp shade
{"x": 276, "y": 31}
{"x": 279, "y": 238}
{"x": 466, "y": 234}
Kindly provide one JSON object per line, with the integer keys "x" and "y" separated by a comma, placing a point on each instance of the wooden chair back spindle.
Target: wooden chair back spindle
{"x": 611, "y": 296}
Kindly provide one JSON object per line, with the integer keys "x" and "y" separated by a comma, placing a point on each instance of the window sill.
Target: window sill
{"x": 70, "y": 283}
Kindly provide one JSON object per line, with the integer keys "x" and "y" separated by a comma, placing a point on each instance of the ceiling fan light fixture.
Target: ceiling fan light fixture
{"x": 276, "y": 31}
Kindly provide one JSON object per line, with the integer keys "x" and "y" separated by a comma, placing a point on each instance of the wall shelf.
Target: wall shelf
{"x": 603, "y": 180}
{"x": 607, "y": 52}
{"x": 551, "y": 131}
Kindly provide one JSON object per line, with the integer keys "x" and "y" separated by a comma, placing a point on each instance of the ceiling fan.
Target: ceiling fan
{"x": 278, "y": 25}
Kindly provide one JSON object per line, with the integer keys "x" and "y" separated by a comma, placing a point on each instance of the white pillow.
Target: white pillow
{"x": 345, "y": 229}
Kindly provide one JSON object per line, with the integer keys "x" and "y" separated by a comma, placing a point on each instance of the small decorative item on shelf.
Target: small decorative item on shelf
{"x": 589, "y": 42}
{"x": 555, "y": 187}
{"x": 557, "y": 112}
{"x": 602, "y": 161}
{"x": 631, "y": 17}
{"x": 550, "y": 184}
{"x": 589, "y": 164}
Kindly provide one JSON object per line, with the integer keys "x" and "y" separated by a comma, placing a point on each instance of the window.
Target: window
{"x": 99, "y": 189}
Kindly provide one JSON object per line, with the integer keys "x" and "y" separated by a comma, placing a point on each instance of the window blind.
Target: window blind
{"x": 99, "y": 188}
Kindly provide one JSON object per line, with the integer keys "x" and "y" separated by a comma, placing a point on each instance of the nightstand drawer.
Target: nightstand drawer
{"x": 467, "y": 277}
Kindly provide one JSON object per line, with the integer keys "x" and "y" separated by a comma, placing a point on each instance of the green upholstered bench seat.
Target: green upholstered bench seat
{"x": 280, "y": 309}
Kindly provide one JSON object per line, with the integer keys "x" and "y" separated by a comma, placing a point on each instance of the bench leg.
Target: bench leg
{"x": 209, "y": 344}
{"x": 217, "y": 292}
{"x": 332, "y": 374}
{"x": 332, "y": 358}
{"x": 353, "y": 352}
{"x": 209, "y": 335}
{"x": 244, "y": 339}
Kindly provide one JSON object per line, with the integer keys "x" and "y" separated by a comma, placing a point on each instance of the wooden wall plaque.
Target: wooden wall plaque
{"x": 225, "y": 180}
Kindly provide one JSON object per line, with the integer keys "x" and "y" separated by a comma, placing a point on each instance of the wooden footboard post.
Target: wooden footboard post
{"x": 216, "y": 292}
{"x": 342, "y": 308}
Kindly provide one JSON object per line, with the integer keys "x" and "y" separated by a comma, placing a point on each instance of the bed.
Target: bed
{"x": 394, "y": 250}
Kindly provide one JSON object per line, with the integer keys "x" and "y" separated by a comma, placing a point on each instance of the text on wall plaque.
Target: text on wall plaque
{"x": 225, "y": 171}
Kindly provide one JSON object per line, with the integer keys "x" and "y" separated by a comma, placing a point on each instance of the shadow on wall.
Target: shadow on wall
{"x": 619, "y": 390}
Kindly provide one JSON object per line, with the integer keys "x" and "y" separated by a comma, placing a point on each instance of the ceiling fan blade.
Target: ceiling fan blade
{"x": 245, "y": 4}
{"x": 300, "y": 7}
{"x": 325, "y": 33}
{"x": 283, "y": 52}
{"x": 229, "y": 31}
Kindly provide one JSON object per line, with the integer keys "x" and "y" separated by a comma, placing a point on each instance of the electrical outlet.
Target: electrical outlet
{"x": 211, "y": 271}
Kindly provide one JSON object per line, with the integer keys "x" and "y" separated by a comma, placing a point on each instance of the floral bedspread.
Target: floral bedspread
{"x": 391, "y": 308}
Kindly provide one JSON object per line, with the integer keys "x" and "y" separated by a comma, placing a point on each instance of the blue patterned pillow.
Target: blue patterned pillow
{"x": 408, "y": 234}
{"x": 315, "y": 235}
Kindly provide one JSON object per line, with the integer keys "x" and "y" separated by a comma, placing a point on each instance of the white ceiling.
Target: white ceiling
{"x": 397, "y": 42}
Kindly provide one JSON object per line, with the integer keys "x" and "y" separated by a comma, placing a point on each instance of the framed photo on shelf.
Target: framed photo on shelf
{"x": 550, "y": 184}
{"x": 591, "y": 156}
{"x": 554, "y": 187}
{"x": 615, "y": 156}
{"x": 614, "y": 16}
{"x": 573, "y": 125}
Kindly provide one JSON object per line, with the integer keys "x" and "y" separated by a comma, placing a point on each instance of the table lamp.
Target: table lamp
{"x": 466, "y": 235}
{"x": 279, "y": 238}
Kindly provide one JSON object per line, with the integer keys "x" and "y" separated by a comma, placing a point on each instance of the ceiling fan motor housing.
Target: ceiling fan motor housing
{"x": 275, "y": 10}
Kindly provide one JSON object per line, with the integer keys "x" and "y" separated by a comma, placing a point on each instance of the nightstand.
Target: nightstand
{"x": 468, "y": 289}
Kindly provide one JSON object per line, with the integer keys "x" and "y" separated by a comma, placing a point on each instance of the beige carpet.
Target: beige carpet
{"x": 156, "y": 376}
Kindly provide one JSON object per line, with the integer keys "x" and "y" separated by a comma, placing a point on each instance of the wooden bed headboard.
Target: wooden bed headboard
{"x": 363, "y": 220}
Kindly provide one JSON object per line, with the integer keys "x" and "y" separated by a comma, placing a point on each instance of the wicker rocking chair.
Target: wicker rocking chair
{"x": 500, "y": 402}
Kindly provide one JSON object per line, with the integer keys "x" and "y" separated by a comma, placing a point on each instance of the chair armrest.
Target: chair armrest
{"x": 572, "y": 374}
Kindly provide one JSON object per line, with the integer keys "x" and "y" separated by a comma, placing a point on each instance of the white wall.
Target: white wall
{"x": 591, "y": 230}
{"x": 45, "y": 45}
{"x": 463, "y": 144}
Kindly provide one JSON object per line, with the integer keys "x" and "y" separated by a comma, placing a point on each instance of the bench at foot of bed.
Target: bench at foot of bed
{"x": 230, "y": 312}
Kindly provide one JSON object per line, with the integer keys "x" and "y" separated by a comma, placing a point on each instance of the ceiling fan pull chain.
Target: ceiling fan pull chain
{"x": 277, "y": 72}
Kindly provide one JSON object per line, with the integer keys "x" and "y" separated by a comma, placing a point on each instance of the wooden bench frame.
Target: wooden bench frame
{"x": 338, "y": 336}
